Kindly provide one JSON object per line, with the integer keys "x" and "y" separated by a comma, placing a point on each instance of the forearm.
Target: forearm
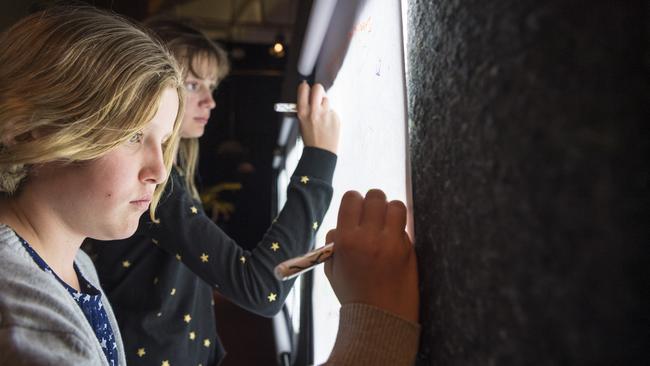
{"x": 370, "y": 336}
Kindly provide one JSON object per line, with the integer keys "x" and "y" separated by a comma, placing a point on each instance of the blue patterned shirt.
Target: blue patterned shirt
{"x": 90, "y": 302}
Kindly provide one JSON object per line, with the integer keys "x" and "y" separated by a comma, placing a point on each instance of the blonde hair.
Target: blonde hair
{"x": 188, "y": 44}
{"x": 76, "y": 82}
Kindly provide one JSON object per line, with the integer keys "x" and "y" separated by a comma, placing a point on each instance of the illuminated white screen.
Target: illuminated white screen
{"x": 362, "y": 59}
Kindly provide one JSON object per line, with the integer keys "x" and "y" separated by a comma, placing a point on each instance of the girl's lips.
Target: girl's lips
{"x": 201, "y": 120}
{"x": 141, "y": 203}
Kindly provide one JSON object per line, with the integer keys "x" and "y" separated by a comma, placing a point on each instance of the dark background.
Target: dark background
{"x": 244, "y": 114}
{"x": 530, "y": 174}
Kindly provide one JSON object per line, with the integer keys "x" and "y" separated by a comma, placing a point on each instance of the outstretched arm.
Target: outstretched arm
{"x": 246, "y": 277}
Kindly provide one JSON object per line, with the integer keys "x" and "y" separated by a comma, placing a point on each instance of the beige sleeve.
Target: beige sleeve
{"x": 371, "y": 336}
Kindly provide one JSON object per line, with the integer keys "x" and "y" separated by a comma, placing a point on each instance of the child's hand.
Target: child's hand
{"x": 374, "y": 261}
{"x": 319, "y": 125}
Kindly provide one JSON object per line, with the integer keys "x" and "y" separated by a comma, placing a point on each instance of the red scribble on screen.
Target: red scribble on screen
{"x": 336, "y": 61}
{"x": 365, "y": 26}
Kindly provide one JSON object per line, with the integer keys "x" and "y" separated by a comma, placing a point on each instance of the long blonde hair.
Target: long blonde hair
{"x": 189, "y": 44}
{"x": 76, "y": 82}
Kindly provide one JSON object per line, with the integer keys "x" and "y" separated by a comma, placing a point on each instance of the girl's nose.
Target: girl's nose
{"x": 154, "y": 170}
{"x": 208, "y": 100}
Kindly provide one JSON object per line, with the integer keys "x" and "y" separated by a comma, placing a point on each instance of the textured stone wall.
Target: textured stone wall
{"x": 528, "y": 126}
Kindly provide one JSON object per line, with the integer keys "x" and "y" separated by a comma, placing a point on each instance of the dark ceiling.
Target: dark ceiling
{"x": 247, "y": 21}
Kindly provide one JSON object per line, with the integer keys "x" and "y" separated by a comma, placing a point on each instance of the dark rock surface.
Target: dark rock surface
{"x": 529, "y": 137}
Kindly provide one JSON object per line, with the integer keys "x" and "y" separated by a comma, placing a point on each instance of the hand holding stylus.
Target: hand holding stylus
{"x": 319, "y": 124}
{"x": 375, "y": 262}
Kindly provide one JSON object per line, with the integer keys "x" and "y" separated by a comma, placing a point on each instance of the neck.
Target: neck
{"x": 45, "y": 231}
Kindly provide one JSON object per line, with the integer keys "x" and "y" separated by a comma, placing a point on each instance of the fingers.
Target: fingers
{"x": 319, "y": 125}
{"x": 374, "y": 210}
{"x": 316, "y": 96}
{"x": 349, "y": 211}
{"x": 328, "y": 269}
{"x": 303, "y": 99}
{"x": 330, "y": 236}
{"x": 371, "y": 211}
{"x": 407, "y": 239}
{"x": 310, "y": 98}
{"x": 325, "y": 104}
{"x": 395, "y": 216}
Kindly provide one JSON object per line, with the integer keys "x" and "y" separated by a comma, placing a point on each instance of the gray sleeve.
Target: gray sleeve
{"x": 24, "y": 346}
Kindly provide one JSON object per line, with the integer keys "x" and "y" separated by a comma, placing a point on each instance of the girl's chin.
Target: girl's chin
{"x": 193, "y": 134}
{"x": 117, "y": 233}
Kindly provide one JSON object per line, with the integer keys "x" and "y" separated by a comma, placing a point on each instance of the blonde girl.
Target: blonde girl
{"x": 89, "y": 117}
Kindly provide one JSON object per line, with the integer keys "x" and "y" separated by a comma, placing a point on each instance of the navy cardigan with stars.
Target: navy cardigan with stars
{"x": 160, "y": 281}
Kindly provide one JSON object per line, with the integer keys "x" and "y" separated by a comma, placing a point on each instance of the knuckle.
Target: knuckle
{"x": 302, "y": 114}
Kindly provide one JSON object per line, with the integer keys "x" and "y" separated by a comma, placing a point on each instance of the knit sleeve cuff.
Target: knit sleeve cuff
{"x": 371, "y": 336}
{"x": 316, "y": 163}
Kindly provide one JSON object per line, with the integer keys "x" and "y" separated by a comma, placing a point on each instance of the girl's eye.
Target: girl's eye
{"x": 192, "y": 86}
{"x": 136, "y": 138}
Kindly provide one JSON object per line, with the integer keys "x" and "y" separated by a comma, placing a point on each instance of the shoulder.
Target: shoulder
{"x": 17, "y": 269}
{"x": 34, "y": 307}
